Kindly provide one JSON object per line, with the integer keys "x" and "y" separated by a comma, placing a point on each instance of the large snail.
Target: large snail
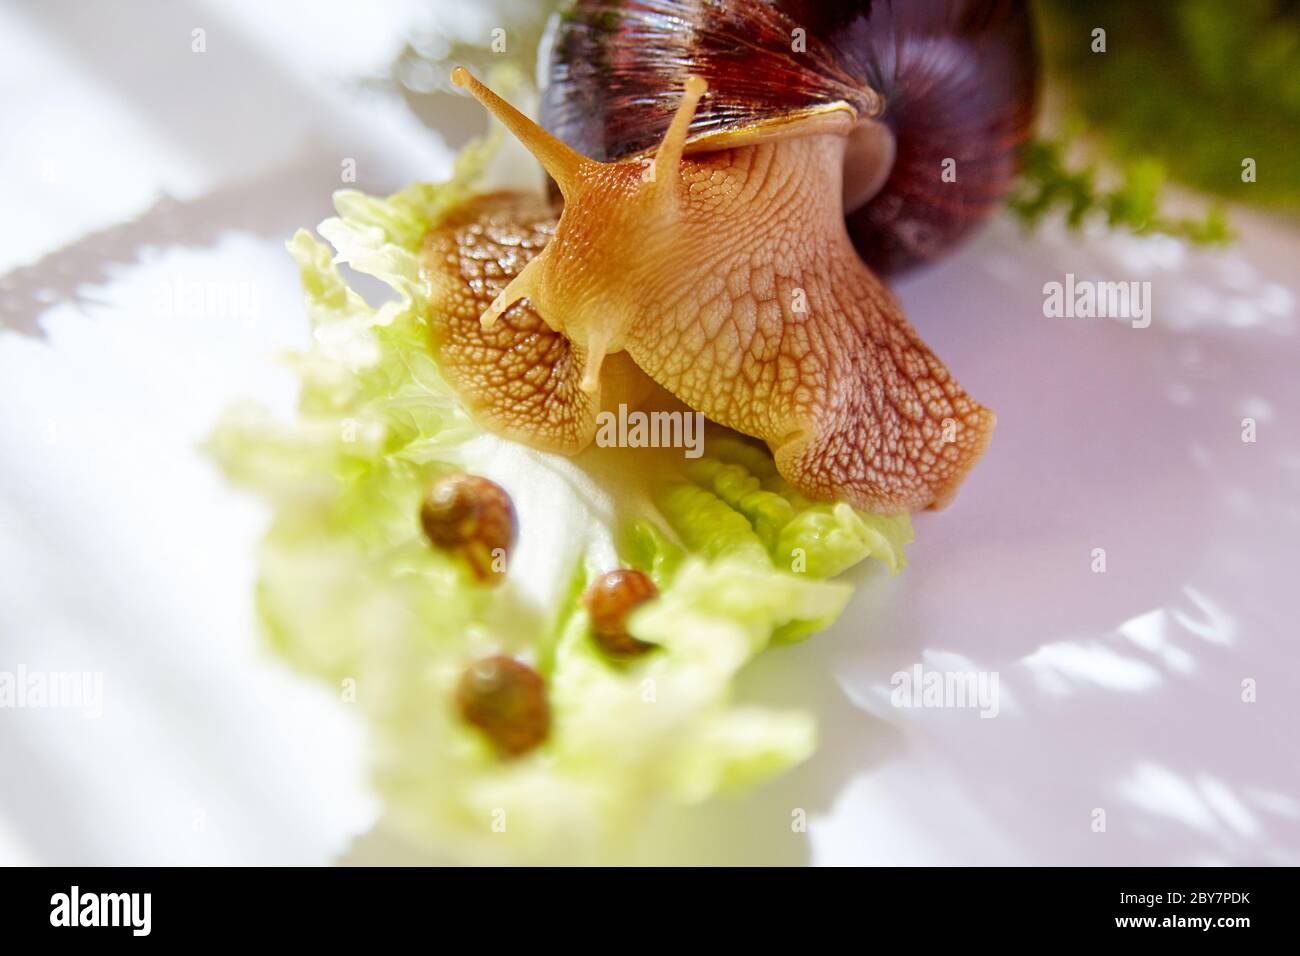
{"x": 729, "y": 166}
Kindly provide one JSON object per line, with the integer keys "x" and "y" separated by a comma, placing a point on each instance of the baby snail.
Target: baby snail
{"x": 507, "y": 701}
{"x": 609, "y": 600}
{"x": 474, "y": 519}
{"x": 735, "y": 177}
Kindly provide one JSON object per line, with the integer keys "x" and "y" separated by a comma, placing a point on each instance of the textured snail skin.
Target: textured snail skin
{"x": 521, "y": 378}
{"x": 950, "y": 79}
{"x": 729, "y": 279}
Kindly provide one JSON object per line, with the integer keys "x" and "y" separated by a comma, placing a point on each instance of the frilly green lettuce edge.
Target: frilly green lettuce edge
{"x": 349, "y": 591}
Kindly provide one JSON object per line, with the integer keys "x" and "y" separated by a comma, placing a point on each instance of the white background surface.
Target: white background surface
{"x": 148, "y": 191}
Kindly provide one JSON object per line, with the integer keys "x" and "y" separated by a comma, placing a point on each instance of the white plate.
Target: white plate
{"x": 121, "y": 551}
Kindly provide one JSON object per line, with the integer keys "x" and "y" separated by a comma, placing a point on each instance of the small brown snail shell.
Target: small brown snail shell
{"x": 928, "y": 80}
{"x": 472, "y": 518}
{"x": 610, "y": 601}
{"x": 505, "y": 699}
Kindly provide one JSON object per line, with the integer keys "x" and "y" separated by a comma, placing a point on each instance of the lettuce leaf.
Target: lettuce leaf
{"x": 349, "y": 591}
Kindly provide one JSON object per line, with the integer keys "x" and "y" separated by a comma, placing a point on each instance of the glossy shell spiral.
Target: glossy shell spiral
{"x": 949, "y": 80}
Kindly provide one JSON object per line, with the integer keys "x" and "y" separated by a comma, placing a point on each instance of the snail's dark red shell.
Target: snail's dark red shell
{"x": 952, "y": 79}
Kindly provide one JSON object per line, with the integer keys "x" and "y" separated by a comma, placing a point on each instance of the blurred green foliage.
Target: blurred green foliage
{"x": 1188, "y": 87}
{"x": 1048, "y": 183}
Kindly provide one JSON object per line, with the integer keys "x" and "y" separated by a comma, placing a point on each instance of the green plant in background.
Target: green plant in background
{"x": 1194, "y": 88}
{"x": 1047, "y": 183}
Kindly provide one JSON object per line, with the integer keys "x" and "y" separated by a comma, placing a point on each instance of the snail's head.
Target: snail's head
{"x": 617, "y": 218}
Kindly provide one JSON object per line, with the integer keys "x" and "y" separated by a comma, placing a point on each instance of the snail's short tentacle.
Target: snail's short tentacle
{"x": 595, "y": 348}
{"x": 522, "y": 286}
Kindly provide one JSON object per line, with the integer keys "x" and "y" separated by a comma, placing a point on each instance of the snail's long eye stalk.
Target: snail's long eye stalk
{"x": 563, "y": 163}
{"x": 669, "y": 154}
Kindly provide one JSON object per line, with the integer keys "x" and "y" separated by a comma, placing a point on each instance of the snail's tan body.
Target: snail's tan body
{"x": 727, "y": 277}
